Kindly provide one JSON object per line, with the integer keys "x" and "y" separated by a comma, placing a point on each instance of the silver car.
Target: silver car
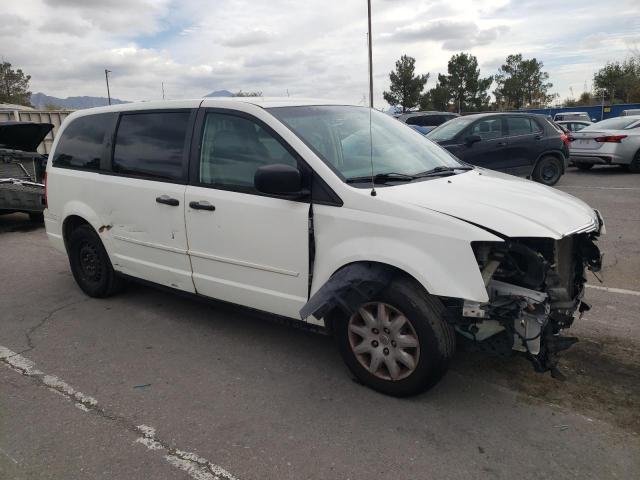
{"x": 615, "y": 141}
{"x": 574, "y": 125}
{"x": 565, "y": 116}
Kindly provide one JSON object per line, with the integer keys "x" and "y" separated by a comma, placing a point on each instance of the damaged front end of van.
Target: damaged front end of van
{"x": 536, "y": 289}
{"x": 534, "y": 285}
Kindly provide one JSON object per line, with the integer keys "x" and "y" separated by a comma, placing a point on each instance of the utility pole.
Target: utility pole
{"x": 106, "y": 77}
{"x": 370, "y": 38}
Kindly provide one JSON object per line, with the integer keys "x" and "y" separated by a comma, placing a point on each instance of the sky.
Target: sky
{"x": 310, "y": 48}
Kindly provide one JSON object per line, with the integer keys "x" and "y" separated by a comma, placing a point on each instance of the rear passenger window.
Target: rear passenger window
{"x": 488, "y": 129}
{"x": 519, "y": 125}
{"x": 151, "y": 144}
{"x": 81, "y": 145}
{"x": 233, "y": 148}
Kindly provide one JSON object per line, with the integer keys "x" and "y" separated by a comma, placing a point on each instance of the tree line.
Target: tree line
{"x": 519, "y": 83}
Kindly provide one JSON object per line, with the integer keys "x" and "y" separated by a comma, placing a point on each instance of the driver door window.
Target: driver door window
{"x": 233, "y": 148}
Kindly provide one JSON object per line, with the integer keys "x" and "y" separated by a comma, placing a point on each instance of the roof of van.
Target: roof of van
{"x": 265, "y": 102}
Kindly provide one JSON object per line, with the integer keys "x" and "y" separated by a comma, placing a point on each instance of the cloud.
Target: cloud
{"x": 274, "y": 59}
{"x": 11, "y": 24}
{"x": 455, "y": 35}
{"x": 119, "y": 17}
{"x": 313, "y": 48}
{"x": 245, "y": 39}
{"x": 64, "y": 26}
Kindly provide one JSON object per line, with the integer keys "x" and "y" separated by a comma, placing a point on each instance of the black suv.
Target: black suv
{"x": 522, "y": 144}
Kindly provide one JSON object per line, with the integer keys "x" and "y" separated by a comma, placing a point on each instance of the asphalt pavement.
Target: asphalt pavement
{"x": 150, "y": 384}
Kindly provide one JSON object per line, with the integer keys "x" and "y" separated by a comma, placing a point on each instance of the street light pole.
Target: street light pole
{"x": 370, "y": 55}
{"x": 106, "y": 77}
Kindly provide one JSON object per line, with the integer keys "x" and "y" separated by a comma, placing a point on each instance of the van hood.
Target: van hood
{"x": 511, "y": 206}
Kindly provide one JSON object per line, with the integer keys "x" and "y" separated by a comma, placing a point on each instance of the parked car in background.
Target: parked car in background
{"x": 424, "y": 122}
{"x": 522, "y": 144}
{"x": 630, "y": 112}
{"x": 564, "y": 116}
{"x": 574, "y": 125}
{"x": 22, "y": 168}
{"x": 614, "y": 141}
{"x": 254, "y": 201}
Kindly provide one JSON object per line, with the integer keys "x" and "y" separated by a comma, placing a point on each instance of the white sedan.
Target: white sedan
{"x": 615, "y": 141}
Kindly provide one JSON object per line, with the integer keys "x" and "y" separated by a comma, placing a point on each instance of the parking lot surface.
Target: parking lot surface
{"x": 149, "y": 384}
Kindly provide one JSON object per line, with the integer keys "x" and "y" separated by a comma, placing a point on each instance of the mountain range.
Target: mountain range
{"x": 40, "y": 100}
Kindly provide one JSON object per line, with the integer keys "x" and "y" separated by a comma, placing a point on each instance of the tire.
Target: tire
{"x": 548, "y": 170}
{"x": 90, "y": 264}
{"x": 36, "y": 217}
{"x": 634, "y": 166}
{"x": 425, "y": 326}
{"x": 584, "y": 166}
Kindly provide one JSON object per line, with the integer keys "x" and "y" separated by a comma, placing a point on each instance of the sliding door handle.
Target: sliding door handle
{"x": 202, "y": 205}
{"x": 167, "y": 200}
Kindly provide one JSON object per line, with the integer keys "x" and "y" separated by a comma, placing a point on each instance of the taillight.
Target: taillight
{"x": 44, "y": 180}
{"x": 565, "y": 139}
{"x": 610, "y": 138}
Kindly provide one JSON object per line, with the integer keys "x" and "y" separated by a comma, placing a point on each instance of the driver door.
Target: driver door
{"x": 245, "y": 247}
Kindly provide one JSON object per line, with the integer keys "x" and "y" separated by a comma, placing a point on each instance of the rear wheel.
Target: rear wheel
{"x": 584, "y": 166}
{"x": 90, "y": 263}
{"x": 548, "y": 170}
{"x": 399, "y": 343}
{"x": 634, "y": 166}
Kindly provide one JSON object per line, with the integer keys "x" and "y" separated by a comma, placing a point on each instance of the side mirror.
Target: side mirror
{"x": 471, "y": 139}
{"x": 278, "y": 179}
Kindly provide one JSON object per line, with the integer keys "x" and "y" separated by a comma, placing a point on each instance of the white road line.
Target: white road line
{"x": 615, "y": 290}
{"x": 8, "y": 456}
{"x": 195, "y": 466}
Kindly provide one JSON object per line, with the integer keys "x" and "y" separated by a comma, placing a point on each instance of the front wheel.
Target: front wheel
{"x": 548, "y": 170}
{"x": 398, "y": 343}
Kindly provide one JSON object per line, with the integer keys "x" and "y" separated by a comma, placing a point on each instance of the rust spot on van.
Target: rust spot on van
{"x": 105, "y": 227}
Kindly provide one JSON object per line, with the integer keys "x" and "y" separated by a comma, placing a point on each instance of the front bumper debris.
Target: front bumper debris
{"x": 536, "y": 289}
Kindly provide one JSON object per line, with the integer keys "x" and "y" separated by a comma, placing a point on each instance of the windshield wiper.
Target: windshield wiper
{"x": 383, "y": 177}
{"x": 442, "y": 171}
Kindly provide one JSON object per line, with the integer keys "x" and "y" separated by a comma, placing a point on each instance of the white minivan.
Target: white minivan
{"x": 325, "y": 213}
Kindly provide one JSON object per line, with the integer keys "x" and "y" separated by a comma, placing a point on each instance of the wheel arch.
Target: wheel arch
{"x": 351, "y": 285}
{"x": 550, "y": 153}
{"x": 69, "y": 224}
{"x": 78, "y": 213}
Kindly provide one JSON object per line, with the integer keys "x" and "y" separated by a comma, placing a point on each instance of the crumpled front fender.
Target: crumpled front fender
{"x": 349, "y": 287}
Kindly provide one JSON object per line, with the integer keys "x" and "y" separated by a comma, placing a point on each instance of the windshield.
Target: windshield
{"x": 617, "y": 123}
{"x": 340, "y": 136}
{"x": 447, "y": 131}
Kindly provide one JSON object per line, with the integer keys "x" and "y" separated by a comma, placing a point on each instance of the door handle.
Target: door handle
{"x": 538, "y": 137}
{"x": 167, "y": 200}
{"x": 502, "y": 144}
{"x": 202, "y": 205}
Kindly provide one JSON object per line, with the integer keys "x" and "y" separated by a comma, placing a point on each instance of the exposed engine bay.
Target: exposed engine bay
{"x": 535, "y": 288}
